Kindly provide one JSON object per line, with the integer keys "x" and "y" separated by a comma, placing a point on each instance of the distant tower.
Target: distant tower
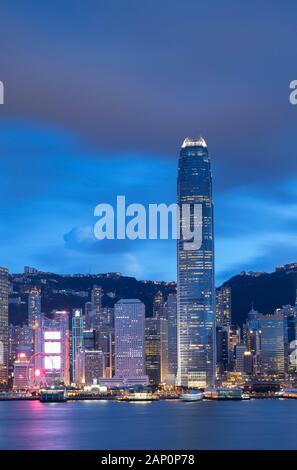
{"x": 3, "y": 325}
{"x": 52, "y": 351}
{"x": 156, "y": 350}
{"x": 272, "y": 344}
{"x": 171, "y": 315}
{"x": 77, "y": 337}
{"x": 223, "y": 306}
{"x": 129, "y": 338}
{"x": 34, "y": 313}
{"x": 195, "y": 270}
{"x": 96, "y": 300}
{"x": 158, "y": 305}
{"x": 34, "y": 307}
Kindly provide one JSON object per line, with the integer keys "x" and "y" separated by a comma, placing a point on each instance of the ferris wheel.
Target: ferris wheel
{"x": 36, "y": 375}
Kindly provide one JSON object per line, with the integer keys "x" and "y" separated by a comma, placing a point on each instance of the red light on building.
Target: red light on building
{"x": 22, "y": 355}
{"x": 37, "y": 372}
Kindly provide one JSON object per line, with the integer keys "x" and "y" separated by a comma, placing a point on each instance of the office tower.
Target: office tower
{"x": 252, "y": 336}
{"x": 96, "y": 301}
{"x": 34, "y": 307}
{"x": 34, "y": 314}
{"x": 272, "y": 344}
{"x": 234, "y": 340}
{"x": 240, "y": 351}
{"x": 20, "y": 341}
{"x": 223, "y": 306}
{"x": 289, "y": 314}
{"x": 104, "y": 342}
{"x": 129, "y": 338}
{"x": 156, "y": 350}
{"x": 158, "y": 305}
{"x": 77, "y": 336}
{"x": 89, "y": 366}
{"x": 107, "y": 316}
{"x": 195, "y": 268}
{"x": 248, "y": 363}
{"x": 21, "y": 372}
{"x": 171, "y": 315}
{"x": 88, "y": 314}
{"x": 222, "y": 343}
{"x": 3, "y": 325}
{"x": 52, "y": 352}
{"x": 89, "y": 339}
{"x": 253, "y": 319}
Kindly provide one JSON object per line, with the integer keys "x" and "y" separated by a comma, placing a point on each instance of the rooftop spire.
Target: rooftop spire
{"x": 196, "y": 142}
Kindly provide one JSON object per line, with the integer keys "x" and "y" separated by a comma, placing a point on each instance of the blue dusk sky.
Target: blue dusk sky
{"x": 99, "y": 96}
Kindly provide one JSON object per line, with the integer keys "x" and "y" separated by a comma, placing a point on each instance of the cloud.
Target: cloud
{"x": 98, "y": 103}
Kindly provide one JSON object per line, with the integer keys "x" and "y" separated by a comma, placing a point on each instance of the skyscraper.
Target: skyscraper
{"x": 34, "y": 307}
{"x": 272, "y": 344}
{"x": 77, "y": 336}
{"x": 34, "y": 314}
{"x": 3, "y": 325}
{"x": 223, "y": 306}
{"x": 195, "y": 269}
{"x": 52, "y": 351}
{"x": 171, "y": 315}
{"x": 96, "y": 300}
{"x": 158, "y": 305}
{"x": 89, "y": 366}
{"x": 129, "y": 338}
{"x": 156, "y": 350}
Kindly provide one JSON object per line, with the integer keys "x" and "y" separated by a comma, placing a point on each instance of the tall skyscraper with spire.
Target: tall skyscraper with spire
{"x": 195, "y": 269}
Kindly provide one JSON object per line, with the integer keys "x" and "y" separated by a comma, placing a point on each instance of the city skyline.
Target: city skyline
{"x": 69, "y": 145}
{"x": 148, "y": 248}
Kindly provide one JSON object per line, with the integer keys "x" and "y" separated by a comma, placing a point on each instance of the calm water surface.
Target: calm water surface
{"x": 255, "y": 424}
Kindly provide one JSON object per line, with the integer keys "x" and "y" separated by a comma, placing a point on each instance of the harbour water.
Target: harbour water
{"x": 252, "y": 424}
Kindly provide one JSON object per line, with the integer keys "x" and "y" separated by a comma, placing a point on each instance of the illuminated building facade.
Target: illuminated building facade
{"x": 34, "y": 307}
{"x": 77, "y": 336}
{"x": 272, "y": 344}
{"x": 252, "y": 335}
{"x": 52, "y": 353}
{"x": 222, "y": 343}
{"x": 223, "y": 306}
{"x": 96, "y": 301}
{"x": 89, "y": 366}
{"x": 21, "y": 372}
{"x": 3, "y": 325}
{"x": 89, "y": 339}
{"x": 156, "y": 350}
{"x": 171, "y": 315}
{"x": 129, "y": 338}
{"x": 105, "y": 342}
{"x": 195, "y": 270}
{"x": 240, "y": 351}
{"x": 158, "y": 305}
{"x": 20, "y": 341}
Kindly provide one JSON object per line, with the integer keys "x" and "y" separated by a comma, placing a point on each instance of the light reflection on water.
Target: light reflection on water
{"x": 255, "y": 424}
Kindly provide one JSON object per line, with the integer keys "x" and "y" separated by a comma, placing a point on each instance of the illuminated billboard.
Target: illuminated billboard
{"x": 52, "y": 335}
{"x": 52, "y": 362}
{"x": 52, "y": 347}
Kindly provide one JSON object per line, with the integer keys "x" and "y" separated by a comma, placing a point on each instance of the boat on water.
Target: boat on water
{"x": 245, "y": 396}
{"x": 223, "y": 394}
{"x": 192, "y": 396}
{"x": 138, "y": 396}
{"x": 52, "y": 395}
{"x": 288, "y": 393}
